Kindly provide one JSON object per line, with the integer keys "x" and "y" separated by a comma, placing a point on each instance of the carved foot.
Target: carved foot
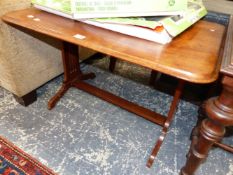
{"x": 52, "y": 102}
{"x": 156, "y": 148}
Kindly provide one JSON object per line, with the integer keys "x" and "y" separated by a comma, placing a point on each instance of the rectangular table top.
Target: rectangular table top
{"x": 193, "y": 56}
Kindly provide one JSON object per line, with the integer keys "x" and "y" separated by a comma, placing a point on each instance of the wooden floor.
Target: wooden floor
{"x": 225, "y": 6}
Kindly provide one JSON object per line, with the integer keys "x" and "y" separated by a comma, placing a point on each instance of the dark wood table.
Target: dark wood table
{"x": 219, "y": 112}
{"x": 193, "y": 56}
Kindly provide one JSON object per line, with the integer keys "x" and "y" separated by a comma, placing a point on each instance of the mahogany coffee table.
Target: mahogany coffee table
{"x": 193, "y": 56}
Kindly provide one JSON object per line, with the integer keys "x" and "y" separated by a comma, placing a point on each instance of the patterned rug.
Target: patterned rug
{"x": 13, "y": 161}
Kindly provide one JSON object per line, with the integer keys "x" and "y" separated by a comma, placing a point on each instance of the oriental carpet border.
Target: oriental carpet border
{"x": 16, "y": 161}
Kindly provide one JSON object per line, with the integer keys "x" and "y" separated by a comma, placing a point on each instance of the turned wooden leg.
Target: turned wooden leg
{"x": 220, "y": 114}
{"x": 210, "y": 132}
{"x": 26, "y": 99}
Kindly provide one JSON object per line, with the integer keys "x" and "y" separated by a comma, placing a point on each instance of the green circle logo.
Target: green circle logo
{"x": 171, "y": 2}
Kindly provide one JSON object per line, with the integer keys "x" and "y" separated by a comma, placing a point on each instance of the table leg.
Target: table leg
{"x": 171, "y": 113}
{"x": 72, "y": 71}
{"x": 220, "y": 114}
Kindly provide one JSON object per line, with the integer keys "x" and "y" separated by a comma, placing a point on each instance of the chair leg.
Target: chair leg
{"x": 26, "y": 99}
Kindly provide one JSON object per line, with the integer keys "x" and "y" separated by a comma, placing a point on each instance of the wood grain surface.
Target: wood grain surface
{"x": 192, "y": 56}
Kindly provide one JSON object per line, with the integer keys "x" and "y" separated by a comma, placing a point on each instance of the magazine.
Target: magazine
{"x": 157, "y": 28}
{"x": 127, "y": 8}
{"x": 78, "y": 9}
